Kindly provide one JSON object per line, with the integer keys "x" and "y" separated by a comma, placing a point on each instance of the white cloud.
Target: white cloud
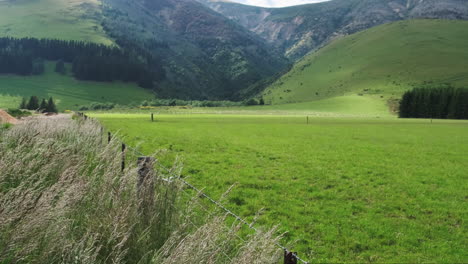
{"x": 276, "y": 3}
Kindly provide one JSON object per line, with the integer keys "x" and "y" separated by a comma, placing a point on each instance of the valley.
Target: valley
{"x": 206, "y": 131}
{"x": 71, "y": 94}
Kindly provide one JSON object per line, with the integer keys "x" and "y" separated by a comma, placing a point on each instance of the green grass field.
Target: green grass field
{"x": 341, "y": 106}
{"x": 385, "y": 60}
{"x": 346, "y": 189}
{"x": 68, "y": 92}
{"x": 70, "y": 20}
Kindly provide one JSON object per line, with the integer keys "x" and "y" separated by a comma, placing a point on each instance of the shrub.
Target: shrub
{"x": 193, "y": 103}
{"x": 17, "y": 113}
{"x": 251, "y": 102}
{"x": 5, "y": 126}
{"x": 97, "y": 106}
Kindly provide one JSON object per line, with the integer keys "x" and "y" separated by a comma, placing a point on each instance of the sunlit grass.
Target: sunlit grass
{"x": 347, "y": 190}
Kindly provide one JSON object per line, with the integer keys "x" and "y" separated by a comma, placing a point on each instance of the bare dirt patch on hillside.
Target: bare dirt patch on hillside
{"x": 7, "y": 118}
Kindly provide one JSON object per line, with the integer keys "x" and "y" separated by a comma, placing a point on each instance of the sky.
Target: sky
{"x": 276, "y": 3}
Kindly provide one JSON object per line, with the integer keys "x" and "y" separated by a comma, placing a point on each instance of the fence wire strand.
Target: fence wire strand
{"x": 174, "y": 176}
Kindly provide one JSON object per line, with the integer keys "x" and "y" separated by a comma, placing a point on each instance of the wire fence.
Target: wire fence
{"x": 289, "y": 256}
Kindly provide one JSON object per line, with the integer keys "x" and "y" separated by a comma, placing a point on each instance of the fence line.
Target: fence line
{"x": 289, "y": 256}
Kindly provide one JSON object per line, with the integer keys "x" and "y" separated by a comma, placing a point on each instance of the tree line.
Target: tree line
{"x": 39, "y": 105}
{"x": 90, "y": 61}
{"x": 443, "y": 102}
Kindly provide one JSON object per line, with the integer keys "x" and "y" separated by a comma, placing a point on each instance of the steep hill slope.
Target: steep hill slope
{"x": 63, "y": 19}
{"x": 300, "y": 29}
{"x": 204, "y": 54}
{"x": 385, "y": 61}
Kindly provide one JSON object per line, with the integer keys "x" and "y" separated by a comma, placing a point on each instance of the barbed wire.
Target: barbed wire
{"x": 218, "y": 204}
{"x": 179, "y": 177}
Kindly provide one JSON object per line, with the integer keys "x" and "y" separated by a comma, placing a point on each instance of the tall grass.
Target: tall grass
{"x": 63, "y": 199}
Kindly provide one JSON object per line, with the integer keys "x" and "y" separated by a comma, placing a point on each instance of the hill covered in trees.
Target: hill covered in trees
{"x": 95, "y": 62}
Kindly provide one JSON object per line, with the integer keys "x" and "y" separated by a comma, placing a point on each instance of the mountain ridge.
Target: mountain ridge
{"x": 204, "y": 51}
{"x": 298, "y": 30}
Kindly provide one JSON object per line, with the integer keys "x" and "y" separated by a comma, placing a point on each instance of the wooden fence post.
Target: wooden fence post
{"x": 123, "y": 156}
{"x": 145, "y": 168}
{"x": 307, "y": 119}
{"x": 109, "y": 137}
{"x": 290, "y": 257}
{"x": 152, "y": 117}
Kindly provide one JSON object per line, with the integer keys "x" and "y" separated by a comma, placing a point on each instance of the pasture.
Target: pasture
{"x": 385, "y": 60}
{"x": 70, "y": 20}
{"x": 68, "y": 92}
{"x": 345, "y": 189}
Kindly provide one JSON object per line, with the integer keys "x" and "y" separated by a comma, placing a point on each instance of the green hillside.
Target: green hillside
{"x": 381, "y": 62}
{"x": 71, "y": 19}
{"x": 69, "y": 92}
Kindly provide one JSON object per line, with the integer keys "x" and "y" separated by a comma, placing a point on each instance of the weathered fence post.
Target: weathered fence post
{"x": 152, "y": 117}
{"x": 290, "y": 257}
{"x": 307, "y": 119}
{"x": 109, "y": 137}
{"x": 123, "y": 156}
{"x": 145, "y": 168}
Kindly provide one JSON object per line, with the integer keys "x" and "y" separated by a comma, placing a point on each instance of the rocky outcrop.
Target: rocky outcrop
{"x": 301, "y": 29}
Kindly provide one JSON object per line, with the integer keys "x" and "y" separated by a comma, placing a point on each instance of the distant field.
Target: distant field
{"x": 52, "y": 19}
{"x": 341, "y": 106}
{"x": 346, "y": 189}
{"x": 385, "y": 60}
{"x": 68, "y": 92}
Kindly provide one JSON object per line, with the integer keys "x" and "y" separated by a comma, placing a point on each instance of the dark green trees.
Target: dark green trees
{"x": 94, "y": 62}
{"x": 45, "y": 105}
{"x": 23, "y": 104}
{"x": 435, "y": 102}
{"x": 33, "y": 103}
{"x": 60, "y": 67}
{"x": 261, "y": 102}
{"x": 251, "y": 102}
{"x": 38, "y": 66}
{"x": 51, "y": 108}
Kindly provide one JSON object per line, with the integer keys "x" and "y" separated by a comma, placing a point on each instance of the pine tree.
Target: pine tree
{"x": 43, "y": 105}
{"x": 33, "y": 103}
{"x": 24, "y": 104}
{"x": 51, "y": 108}
{"x": 60, "y": 67}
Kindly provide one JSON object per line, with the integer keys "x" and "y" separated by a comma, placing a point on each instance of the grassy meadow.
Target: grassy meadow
{"x": 385, "y": 60}
{"x": 70, "y": 20}
{"x": 68, "y": 92}
{"x": 345, "y": 189}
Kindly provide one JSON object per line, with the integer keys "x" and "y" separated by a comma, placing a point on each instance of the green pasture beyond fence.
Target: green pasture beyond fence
{"x": 146, "y": 166}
